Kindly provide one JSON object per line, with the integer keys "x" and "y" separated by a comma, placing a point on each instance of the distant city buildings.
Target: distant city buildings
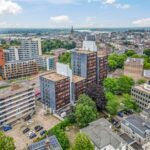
{"x": 16, "y": 102}
{"x": 141, "y": 95}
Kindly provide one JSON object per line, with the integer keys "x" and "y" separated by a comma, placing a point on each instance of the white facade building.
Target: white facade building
{"x": 30, "y": 48}
{"x": 13, "y": 53}
{"x": 89, "y": 45}
{"x": 16, "y": 102}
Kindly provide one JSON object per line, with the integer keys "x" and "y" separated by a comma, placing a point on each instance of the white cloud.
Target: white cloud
{"x": 60, "y": 19}
{"x": 109, "y": 1}
{"x": 61, "y": 1}
{"x": 9, "y": 7}
{"x": 113, "y": 3}
{"x": 145, "y": 22}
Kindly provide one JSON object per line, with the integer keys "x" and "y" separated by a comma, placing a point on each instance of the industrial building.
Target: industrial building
{"x": 16, "y": 102}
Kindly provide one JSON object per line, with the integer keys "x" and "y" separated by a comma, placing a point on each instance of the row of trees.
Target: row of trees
{"x": 48, "y": 45}
{"x": 6, "y": 45}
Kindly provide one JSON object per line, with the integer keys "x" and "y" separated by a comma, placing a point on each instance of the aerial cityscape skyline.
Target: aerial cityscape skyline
{"x": 79, "y": 13}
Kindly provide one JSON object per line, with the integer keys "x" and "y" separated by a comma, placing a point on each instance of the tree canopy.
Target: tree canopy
{"x": 130, "y": 53}
{"x": 119, "y": 85}
{"x": 6, "y": 143}
{"x": 85, "y": 111}
{"x": 65, "y": 58}
{"x": 147, "y": 52}
{"x": 48, "y": 45}
{"x": 116, "y": 61}
{"x": 82, "y": 142}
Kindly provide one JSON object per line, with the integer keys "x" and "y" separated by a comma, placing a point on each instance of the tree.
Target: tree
{"x": 84, "y": 115}
{"x": 141, "y": 81}
{"x": 112, "y": 103}
{"x": 86, "y": 100}
{"x": 130, "y": 53}
{"x": 6, "y": 143}
{"x": 147, "y": 52}
{"x": 82, "y": 142}
{"x": 65, "y": 58}
{"x": 96, "y": 93}
{"x": 129, "y": 103}
{"x": 110, "y": 85}
{"x": 112, "y": 64}
{"x": 124, "y": 84}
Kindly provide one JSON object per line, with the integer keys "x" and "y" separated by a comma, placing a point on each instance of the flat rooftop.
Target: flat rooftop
{"x": 141, "y": 88}
{"x": 14, "y": 89}
{"x": 84, "y": 52}
{"x": 53, "y": 76}
{"x": 77, "y": 78}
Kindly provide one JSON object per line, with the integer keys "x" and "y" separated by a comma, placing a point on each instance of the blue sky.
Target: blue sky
{"x": 79, "y": 13}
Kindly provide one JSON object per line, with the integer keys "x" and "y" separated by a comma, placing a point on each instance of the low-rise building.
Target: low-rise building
{"x": 141, "y": 95}
{"x": 138, "y": 128}
{"x": 103, "y": 137}
{"x": 15, "y": 69}
{"x": 16, "y": 102}
{"x": 50, "y": 143}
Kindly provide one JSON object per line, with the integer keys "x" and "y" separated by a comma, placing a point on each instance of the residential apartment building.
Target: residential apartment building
{"x": 2, "y": 58}
{"x": 2, "y": 62}
{"x": 78, "y": 87}
{"x": 55, "y": 91}
{"x": 46, "y": 62}
{"x": 141, "y": 95}
{"x": 13, "y": 53}
{"x": 84, "y": 64}
{"x": 133, "y": 67}
{"x": 16, "y": 102}
{"x": 30, "y": 49}
{"x": 102, "y": 67}
{"x": 103, "y": 137}
{"x": 15, "y": 69}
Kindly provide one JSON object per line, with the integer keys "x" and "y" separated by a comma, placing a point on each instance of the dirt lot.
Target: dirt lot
{"x": 22, "y": 140}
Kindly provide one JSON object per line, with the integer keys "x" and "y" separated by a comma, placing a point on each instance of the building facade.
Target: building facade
{"x": 102, "y": 67}
{"x": 15, "y": 69}
{"x": 55, "y": 91}
{"x": 141, "y": 95}
{"x": 16, "y": 102}
{"x": 46, "y": 62}
{"x": 13, "y": 53}
{"x": 84, "y": 65}
{"x": 78, "y": 87}
{"x": 30, "y": 49}
{"x": 2, "y": 62}
{"x": 133, "y": 68}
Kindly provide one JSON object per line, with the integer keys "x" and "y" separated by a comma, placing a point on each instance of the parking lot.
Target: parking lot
{"x": 22, "y": 140}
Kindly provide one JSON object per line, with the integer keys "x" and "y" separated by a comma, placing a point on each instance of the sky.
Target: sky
{"x": 77, "y": 13}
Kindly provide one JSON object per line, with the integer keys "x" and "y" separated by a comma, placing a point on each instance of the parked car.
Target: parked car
{"x": 26, "y": 130}
{"x": 7, "y": 127}
{"x": 38, "y": 128}
{"x": 120, "y": 114}
{"x": 42, "y": 132}
{"x": 33, "y": 135}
